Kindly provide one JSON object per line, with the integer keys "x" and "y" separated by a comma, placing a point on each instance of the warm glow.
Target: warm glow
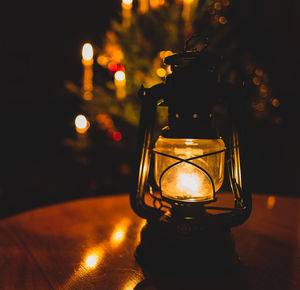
{"x": 189, "y": 183}
{"x": 223, "y": 20}
{"x": 120, "y": 83}
{"x": 188, "y": 1}
{"x": 87, "y": 52}
{"x": 163, "y": 53}
{"x": 120, "y": 76}
{"x": 119, "y": 232}
{"x": 81, "y": 124}
{"x": 87, "y": 95}
{"x": 104, "y": 121}
{"x": 143, "y": 222}
{"x": 275, "y": 103}
{"x": 117, "y": 136}
{"x": 127, "y": 4}
{"x": 120, "y": 91}
{"x": 161, "y": 72}
{"x": 93, "y": 258}
{"x": 256, "y": 81}
{"x": 169, "y": 70}
{"x": 218, "y": 6}
{"x": 103, "y": 60}
{"x": 259, "y": 72}
{"x": 91, "y": 261}
{"x": 118, "y": 236}
{"x": 154, "y": 4}
{"x": 271, "y": 201}
{"x": 131, "y": 285}
{"x": 81, "y": 121}
{"x": 112, "y": 66}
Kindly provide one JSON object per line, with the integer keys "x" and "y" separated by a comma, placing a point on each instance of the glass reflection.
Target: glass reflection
{"x": 119, "y": 233}
{"x": 91, "y": 261}
{"x": 93, "y": 258}
{"x": 271, "y": 201}
{"x": 131, "y": 284}
{"x": 139, "y": 228}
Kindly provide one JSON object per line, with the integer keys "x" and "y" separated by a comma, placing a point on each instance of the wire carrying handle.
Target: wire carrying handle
{"x": 196, "y": 35}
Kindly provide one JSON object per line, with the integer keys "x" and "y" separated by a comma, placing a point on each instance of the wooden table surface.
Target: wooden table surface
{"x": 90, "y": 244}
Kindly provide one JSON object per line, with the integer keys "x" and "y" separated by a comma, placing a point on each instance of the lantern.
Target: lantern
{"x": 181, "y": 169}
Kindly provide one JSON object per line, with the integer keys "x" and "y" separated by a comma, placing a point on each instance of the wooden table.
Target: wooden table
{"x": 90, "y": 244}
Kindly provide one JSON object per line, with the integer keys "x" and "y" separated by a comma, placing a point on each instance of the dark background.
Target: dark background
{"x": 41, "y": 48}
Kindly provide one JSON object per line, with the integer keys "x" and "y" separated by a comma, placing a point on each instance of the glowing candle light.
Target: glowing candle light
{"x": 81, "y": 124}
{"x": 120, "y": 77}
{"x": 120, "y": 84}
{"x": 87, "y": 61}
{"x": 143, "y": 6}
{"x": 126, "y": 12}
{"x": 189, "y": 183}
{"x": 186, "y": 11}
{"x": 155, "y": 4}
{"x": 87, "y": 53}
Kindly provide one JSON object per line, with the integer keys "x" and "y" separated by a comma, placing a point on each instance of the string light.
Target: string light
{"x": 102, "y": 60}
{"x": 112, "y": 66}
{"x": 161, "y": 72}
{"x": 222, "y": 20}
{"x": 226, "y": 2}
{"x": 275, "y": 103}
{"x": 256, "y": 81}
{"x": 106, "y": 123}
{"x": 218, "y": 6}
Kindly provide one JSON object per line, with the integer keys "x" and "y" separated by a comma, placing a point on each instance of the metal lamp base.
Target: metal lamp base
{"x": 183, "y": 248}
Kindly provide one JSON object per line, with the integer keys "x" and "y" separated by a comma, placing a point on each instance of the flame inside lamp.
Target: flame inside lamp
{"x": 193, "y": 181}
{"x": 189, "y": 183}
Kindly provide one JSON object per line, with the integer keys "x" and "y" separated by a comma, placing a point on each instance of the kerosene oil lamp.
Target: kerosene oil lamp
{"x": 180, "y": 171}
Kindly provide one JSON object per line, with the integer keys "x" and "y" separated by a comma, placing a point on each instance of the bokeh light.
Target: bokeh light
{"x": 161, "y": 72}
{"x": 81, "y": 124}
{"x": 120, "y": 75}
{"x": 87, "y": 52}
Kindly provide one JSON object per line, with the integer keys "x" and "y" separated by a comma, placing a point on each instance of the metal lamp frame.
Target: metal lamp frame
{"x": 242, "y": 197}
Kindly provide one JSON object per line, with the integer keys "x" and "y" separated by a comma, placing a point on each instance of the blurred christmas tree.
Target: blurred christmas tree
{"x": 131, "y": 54}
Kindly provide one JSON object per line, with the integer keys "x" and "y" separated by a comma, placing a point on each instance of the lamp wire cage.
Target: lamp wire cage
{"x": 242, "y": 197}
